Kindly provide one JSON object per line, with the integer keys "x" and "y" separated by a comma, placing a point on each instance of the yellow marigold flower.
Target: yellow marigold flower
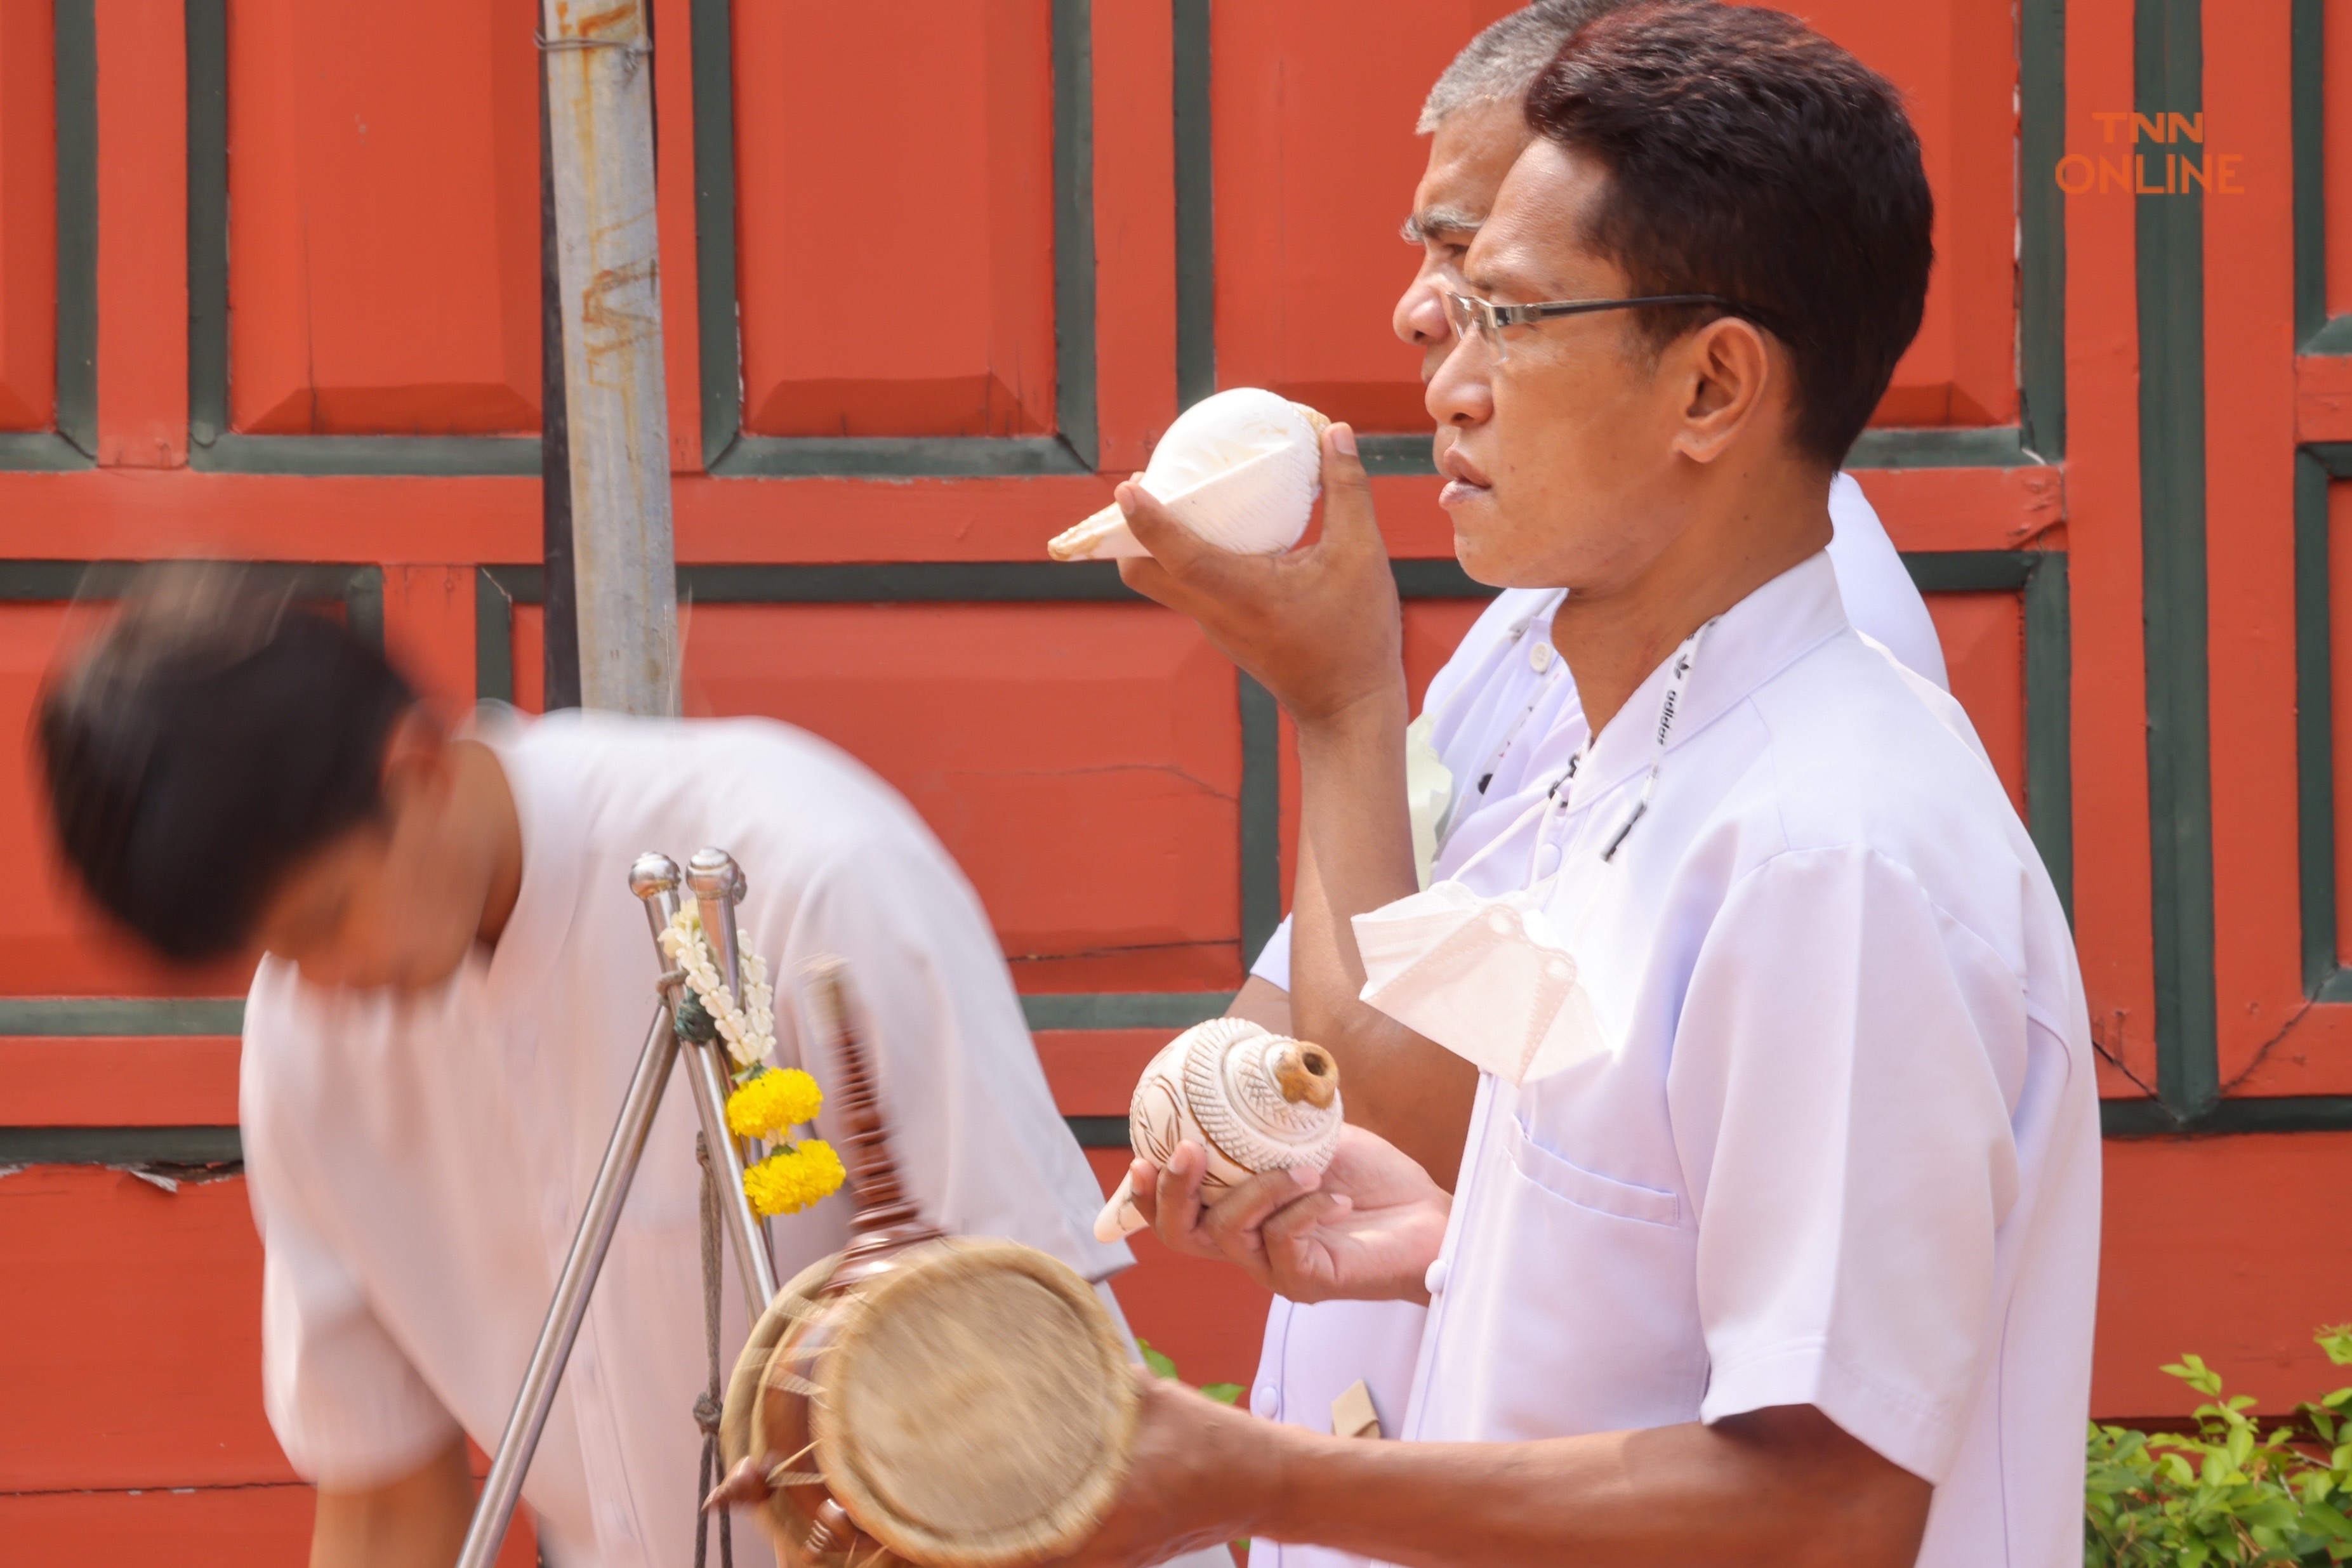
{"x": 772, "y": 1100}
{"x": 793, "y": 1177}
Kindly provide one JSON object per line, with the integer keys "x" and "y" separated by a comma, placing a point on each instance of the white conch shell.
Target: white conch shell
{"x": 1241, "y": 469}
{"x": 1255, "y": 1100}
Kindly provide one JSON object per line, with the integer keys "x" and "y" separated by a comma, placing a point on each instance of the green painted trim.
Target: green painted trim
{"x": 2169, "y": 76}
{"x": 360, "y": 588}
{"x": 1397, "y": 455}
{"x": 76, "y": 49}
{"x": 121, "y": 1146}
{"x": 2239, "y": 1116}
{"x": 439, "y": 457}
{"x": 493, "y": 638}
{"x": 2050, "y": 723}
{"x": 84, "y": 1016}
{"x": 1997, "y": 446}
{"x": 2314, "y": 728}
{"x": 729, "y": 453}
{"x": 2307, "y": 116}
{"x": 712, "y": 23}
{"x": 1100, "y": 1132}
{"x": 1971, "y": 571}
{"x": 1074, "y": 231}
{"x": 948, "y": 582}
{"x": 1437, "y": 579}
{"x": 1261, "y": 816}
{"x": 897, "y": 457}
{"x": 2041, "y": 228}
{"x": 40, "y": 452}
{"x": 207, "y": 25}
{"x": 1196, "y": 224}
{"x": 1123, "y": 1009}
{"x": 2334, "y": 337}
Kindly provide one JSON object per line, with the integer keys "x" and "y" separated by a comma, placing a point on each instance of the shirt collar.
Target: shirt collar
{"x": 1746, "y": 647}
{"x": 554, "y": 820}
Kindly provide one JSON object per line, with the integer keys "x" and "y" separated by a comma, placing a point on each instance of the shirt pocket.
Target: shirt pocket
{"x": 1566, "y": 1179}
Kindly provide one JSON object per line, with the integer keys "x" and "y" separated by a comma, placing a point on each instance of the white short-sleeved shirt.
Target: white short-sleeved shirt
{"x": 1844, "y": 1151}
{"x": 1507, "y": 720}
{"x": 418, "y": 1164}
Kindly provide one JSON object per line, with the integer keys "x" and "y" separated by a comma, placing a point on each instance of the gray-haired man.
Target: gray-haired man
{"x": 1503, "y": 717}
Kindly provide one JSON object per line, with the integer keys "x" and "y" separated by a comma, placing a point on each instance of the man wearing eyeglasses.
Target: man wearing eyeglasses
{"x": 1501, "y": 719}
{"x": 1775, "y": 1233}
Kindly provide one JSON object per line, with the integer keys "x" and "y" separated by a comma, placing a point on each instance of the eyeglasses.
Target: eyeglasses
{"x": 1487, "y": 318}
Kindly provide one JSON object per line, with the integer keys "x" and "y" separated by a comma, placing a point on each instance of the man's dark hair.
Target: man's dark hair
{"x": 210, "y": 737}
{"x": 1751, "y": 157}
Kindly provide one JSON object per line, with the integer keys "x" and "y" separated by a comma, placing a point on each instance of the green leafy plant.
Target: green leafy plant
{"x": 2229, "y": 1492}
{"x": 1163, "y": 1366}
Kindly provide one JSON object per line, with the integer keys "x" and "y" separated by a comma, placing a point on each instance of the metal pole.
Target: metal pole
{"x": 707, "y": 1080}
{"x": 717, "y": 884}
{"x": 599, "y": 79}
{"x": 536, "y": 1395}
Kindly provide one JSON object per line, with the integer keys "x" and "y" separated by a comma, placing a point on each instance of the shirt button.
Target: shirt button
{"x": 1540, "y": 656}
{"x": 1266, "y": 1402}
{"x": 1547, "y": 859}
{"x": 1435, "y": 1281}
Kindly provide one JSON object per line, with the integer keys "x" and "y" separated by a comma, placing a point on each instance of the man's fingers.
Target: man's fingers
{"x": 1234, "y": 1220}
{"x": 1348, "y": 516}
{"x": 1177, "y": 1198}
{"x": 1143, "y": 1189}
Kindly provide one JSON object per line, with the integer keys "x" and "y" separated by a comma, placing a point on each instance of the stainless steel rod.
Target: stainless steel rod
{"x": 707, "y": 1080}
{"x": 589, "y": 1243}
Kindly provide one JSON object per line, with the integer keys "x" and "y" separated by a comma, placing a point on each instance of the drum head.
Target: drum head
{"x": 977, "y": 1410}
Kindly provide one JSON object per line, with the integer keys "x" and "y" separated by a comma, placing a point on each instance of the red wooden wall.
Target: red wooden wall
{"x": 268, "y": 290}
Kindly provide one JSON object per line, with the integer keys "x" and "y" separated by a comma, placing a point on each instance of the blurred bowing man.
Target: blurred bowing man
{"x": 1503, "y": 718}
{"x": 453, "y": 992}
{"x": 1774, "y": 1239}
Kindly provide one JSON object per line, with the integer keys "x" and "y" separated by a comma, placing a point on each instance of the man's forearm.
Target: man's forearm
{"x": 417, "y": 1521}
{"x": 1779, "y": 1489}
{"x": 1355, "y": 855}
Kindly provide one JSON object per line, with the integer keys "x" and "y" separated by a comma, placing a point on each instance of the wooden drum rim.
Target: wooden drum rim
{"x": 1071, "y": 1522}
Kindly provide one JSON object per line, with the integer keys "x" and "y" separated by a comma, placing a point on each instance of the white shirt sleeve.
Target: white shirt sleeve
{"x": 1842, "y": 1085}
{"x": 346, "y": 1405}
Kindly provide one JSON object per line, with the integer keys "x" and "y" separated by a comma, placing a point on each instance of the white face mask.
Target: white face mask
{"x": 1493, "y": 980}
{"x": 1489, "y": 979}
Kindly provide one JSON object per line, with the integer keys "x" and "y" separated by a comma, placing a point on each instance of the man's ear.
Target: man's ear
{"x": 415, "y": 757}
{"x": 1731, "y": 375}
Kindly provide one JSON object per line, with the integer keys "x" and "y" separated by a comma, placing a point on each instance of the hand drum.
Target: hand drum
{"x": 920, "y": 1399}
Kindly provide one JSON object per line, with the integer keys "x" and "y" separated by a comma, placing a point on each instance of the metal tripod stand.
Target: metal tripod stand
{"x": 717, "y": 886}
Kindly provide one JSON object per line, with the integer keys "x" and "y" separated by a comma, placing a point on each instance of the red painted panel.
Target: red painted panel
{"x": 142, "y": 246}
{"x": 28, "y": 241}
{"x": 1956, "y": 62}
{"x": 1983, "y": 636}
{"x": 384, "y": 200}
{"x": 1093, "y": 1073}
{"x": 2207, "y": 1248}
{"x": 149, "y": 1324}
{"x": 147, "y": 1080}
{"x": 1081, "y": 761}
{"x": 1312, "y": 113}
{"x": 945, "y": 325}
{"x": 264, "y": 1526}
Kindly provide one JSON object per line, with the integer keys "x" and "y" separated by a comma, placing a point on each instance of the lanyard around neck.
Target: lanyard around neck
{"x": 1670, "y": 708}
